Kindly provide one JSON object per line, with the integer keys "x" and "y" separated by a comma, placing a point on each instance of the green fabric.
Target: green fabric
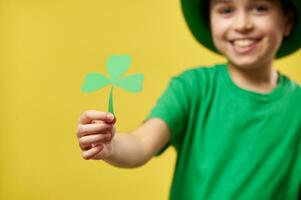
{"x": 232, "y": 143}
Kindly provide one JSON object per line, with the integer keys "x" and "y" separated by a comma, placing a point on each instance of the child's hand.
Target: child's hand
{"x": 95, "y": 133}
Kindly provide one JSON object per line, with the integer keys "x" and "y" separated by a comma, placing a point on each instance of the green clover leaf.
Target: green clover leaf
{"x": 94, "y": 81}
{"x": 131, "y": 83}
{"x": 116, "y": 67}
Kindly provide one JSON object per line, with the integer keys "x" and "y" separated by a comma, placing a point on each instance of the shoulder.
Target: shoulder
{"x": 293, "y": 93}
{"x": 199, "y": 74}
{"x": 293, "y": 86}
{"x": 195, "y": 82}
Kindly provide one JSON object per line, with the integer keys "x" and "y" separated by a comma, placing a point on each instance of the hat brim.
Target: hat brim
{"x": 201, "y": 30}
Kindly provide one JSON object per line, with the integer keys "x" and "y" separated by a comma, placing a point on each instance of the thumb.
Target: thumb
{"x": 111, "y": 119}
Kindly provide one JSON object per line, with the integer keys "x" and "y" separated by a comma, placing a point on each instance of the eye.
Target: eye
{"x": 260, "y": 8}
{"x": 225, "y": 10}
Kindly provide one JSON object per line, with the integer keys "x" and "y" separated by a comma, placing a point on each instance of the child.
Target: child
{"x": 236, "y": 127}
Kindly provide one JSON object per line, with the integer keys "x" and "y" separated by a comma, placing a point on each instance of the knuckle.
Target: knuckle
{"x": 82, "y": 147}
{"x": 86, "y": 114}
{"x": 82, "y": 141}
{"x": 85, "y": 156}
{"x": 80, "y": 130}
{"x": 82, "y": 117}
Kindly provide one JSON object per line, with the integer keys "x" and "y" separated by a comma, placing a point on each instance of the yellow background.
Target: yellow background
{"x": 47, "y": 47}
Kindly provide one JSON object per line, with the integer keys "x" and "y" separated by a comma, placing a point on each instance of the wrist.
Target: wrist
{"x": 110, "y": 155}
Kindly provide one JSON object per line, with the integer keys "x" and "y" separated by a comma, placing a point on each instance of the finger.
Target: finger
{"x": 88, "y": 141}
{"x": 85, "y": 148}
{"x": 91, "y": 142}
{"x": 100, "y": 122}
{"x": 92, "y": 152}
{"x": 89, "y": 129}
{"x": 91, "y": 115}
{"x": 112, "y": 120}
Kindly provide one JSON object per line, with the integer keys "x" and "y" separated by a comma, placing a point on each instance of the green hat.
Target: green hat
{"x": 198, "y": 25}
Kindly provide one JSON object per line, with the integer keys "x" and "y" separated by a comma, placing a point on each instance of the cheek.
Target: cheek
{"x": 273, "y": 30}
{"x": 219, "y": 29}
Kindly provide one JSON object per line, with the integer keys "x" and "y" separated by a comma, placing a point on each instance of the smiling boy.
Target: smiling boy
{"x": 249, "y": 34}
{"x": 236, "y": 127}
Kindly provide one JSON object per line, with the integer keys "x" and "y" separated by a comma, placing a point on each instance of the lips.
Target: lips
{"x": 244, "y": 45}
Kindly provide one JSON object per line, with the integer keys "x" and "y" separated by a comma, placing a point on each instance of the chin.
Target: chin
{"x": 245, "y": 64}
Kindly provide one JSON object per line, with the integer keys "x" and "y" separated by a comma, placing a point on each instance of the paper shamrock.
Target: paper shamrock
{"x": 116, "y": 67}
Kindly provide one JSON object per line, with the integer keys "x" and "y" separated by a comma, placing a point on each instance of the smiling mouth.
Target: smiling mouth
{"x": 243, "y": 46}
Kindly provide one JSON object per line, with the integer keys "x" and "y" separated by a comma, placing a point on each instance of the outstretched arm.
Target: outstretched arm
{"x": 97, "y": 140}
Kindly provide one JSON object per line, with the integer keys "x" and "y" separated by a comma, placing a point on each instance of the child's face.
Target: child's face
{"x": 248, "y": 32}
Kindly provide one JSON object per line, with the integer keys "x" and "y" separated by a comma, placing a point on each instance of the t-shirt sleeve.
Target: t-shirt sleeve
{"x": 172, "y": 107}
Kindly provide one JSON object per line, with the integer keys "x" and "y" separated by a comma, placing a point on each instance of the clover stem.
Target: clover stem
{"x": 111, "y": 110}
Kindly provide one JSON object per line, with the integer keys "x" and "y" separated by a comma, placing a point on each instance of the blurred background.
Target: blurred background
{"x": 47, "y": 48}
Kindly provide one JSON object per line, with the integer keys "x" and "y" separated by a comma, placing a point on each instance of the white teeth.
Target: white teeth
{"x": 243, "y": 43}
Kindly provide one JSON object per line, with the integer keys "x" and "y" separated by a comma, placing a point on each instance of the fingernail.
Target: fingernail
{"x": 110, "y": 117}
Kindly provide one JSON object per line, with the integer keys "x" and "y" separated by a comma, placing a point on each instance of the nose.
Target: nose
{"x": 242, "y": 22}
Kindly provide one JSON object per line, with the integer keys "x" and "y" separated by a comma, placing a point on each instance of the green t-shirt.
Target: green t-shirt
{"x": 232, "y": 143}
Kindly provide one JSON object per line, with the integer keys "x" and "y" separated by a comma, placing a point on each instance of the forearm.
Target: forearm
{"x": 136, "y": 148}
{"x": 127, "y": 151}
